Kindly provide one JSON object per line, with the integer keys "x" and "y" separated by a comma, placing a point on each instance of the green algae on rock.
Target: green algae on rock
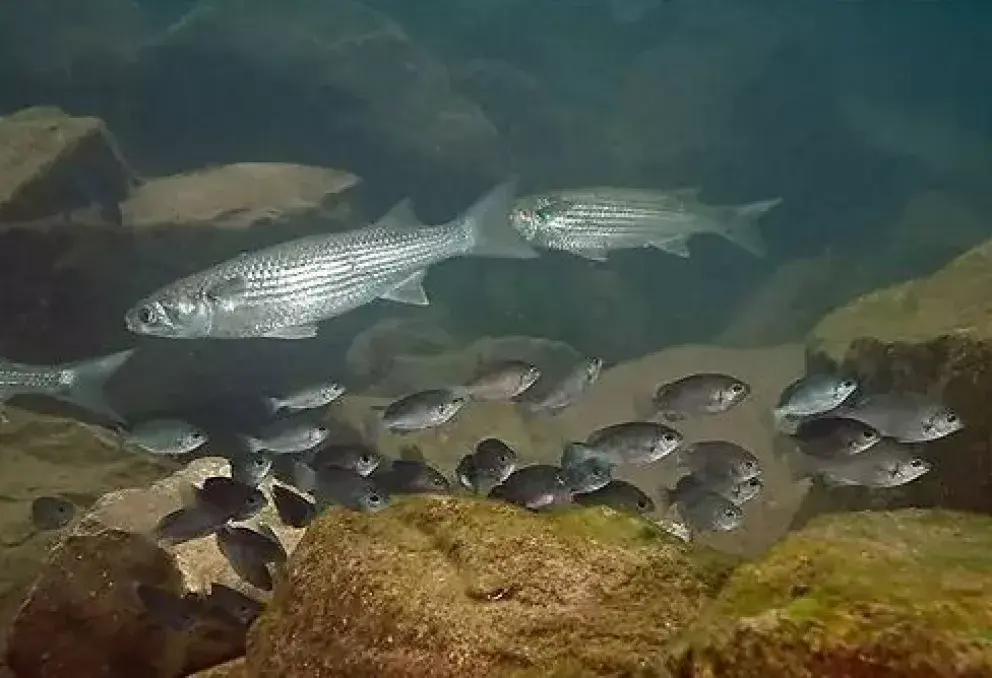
{"x": 445, "y": 586}
{"x": 902, "y": 593}
{"x": 932, "y": 335}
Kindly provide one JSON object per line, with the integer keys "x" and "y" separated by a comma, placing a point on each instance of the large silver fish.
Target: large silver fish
{"x": 280, "y": 291}
{"x": 80, "y": 383}
{"x": 591, "y": 222}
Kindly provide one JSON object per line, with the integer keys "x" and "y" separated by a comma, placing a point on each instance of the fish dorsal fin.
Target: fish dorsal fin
{"x": 401, "y": 215}
{"x": 226, "y": 289}
{"x": 677, "y": 246}
{"x": 409, "y": 291}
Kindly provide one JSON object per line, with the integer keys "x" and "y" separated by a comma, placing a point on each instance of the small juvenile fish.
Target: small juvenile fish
{"x": 51, "y": 513}
{"x": 358, "y": 457}
{"x": 244, "y": 555}
{"x": 633, "y": 442}
{"x": 537, "y": 487}
{"x": 569, "y": 390}
{"x": 308, "y": 398}
{"x": 263, "y": 542}
{"x": 405, "y": 476}
{"x": 490, "y": 464}
{"x": 502, "y": 380}
{"x": 250, "y": 469}
{"x": 619, "y": 495}
{"x": 906, "y": 417}
{"x": 165, "y": 436}
{"x": 234, "y": 499}
{"x": 835, "y": 436}
{"x": 293, "y": 509}
{"x": 811, "y": 395}
{"x": 887, "y": 464}
{"x": 423, "y": 410}
{"x": 233, "y": 605}
{"x": 346, "y": 488}
{"x": 702, "y": 509}
{"x": 718, "y": 459}
{"x": 174, "y": 612}
{"x": 287, "y": 436}
{"x": 699, "y": 394}
{"x": 190, "y": 522}
{"x": 587, "y": 475}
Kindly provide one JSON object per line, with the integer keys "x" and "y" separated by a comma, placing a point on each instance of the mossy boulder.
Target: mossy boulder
{"x": 904, "y": 593}
{"x": 462, "y": 587}
{"x": 934, "y": 336}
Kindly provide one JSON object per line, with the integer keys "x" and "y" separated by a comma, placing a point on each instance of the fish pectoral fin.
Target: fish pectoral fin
{"x": 294, "y": 332}
{"x": 226, "y": 289}
{"x": 400, "y": 216}
{"x": 677, "y": 246}
{"x": 409, "y": 291}
{"x": 591, "y": 254}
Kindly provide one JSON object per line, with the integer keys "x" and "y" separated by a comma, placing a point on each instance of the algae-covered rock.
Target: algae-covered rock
{"x": 463, "y": 587}
{"x": 904, "y": 593}
{"x": 932, "y": 336}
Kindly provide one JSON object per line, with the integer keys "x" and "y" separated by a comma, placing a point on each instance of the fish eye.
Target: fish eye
{"x": 737, "y": 388}
{"x": 847, "y": 383}
{"x": 951, "y": 417}
{"x": 641, "y": 504}
{"x": 375, "y": 499}
{"x": 727, "y": 513}
{"x": 868, "y": 435}
{"x": 916, "y": 463}
{"x": 147, "y": 315}
{"x": 669, "y": 437}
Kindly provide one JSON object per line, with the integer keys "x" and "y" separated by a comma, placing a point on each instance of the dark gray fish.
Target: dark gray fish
{"x": 404, "y": 476}
{"x": 569, "y": 390}
{"x": 287, "y": 436}
{"x": 699, "y": 394}
{"x": 291, "y": 469}
{"x": 233, "y": 605}
{"x": 702, "y": 509}
{"x": 344, "y": 487}
{"x": 423, "y": 410}
{"x": 308, "y": 398}
{"x": 190, "y": 522}
{"x": 835, "y": 436}
{"x": 587, "y": 475}
{"x": 633, "y": 442}
{"x": 619, "y": 495}
{"x": 250, "y": 469}
{"x": 167, "y": 609}
{"x": 886, "y": 464}
{"x": 717, "y": 459}
{"x": 906, "y": 417}
{"x": 164, "y": 436}
{"x": 360, "y": 458}
{"x": 232, "y": 498}
{"x": 490, "y": 464}
{"x": 812, "y": 395}
{"x": 294, "y": 510}
{"x": 241, "y": 549}
{"x": 263, "y": 542}
{"x": 52, "y": 513}
{"x": 502, "y": 380}
{"x": 537, "y": 487}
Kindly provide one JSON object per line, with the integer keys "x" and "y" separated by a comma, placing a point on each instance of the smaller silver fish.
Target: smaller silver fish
{"x": 490, "y": 464}
{"x": 702, "y": 509}
{"x": 906, "y": 417}
{"x": 344, "y": 487}
{"x": 620, "y": 496}
{"x": 308, "y": 398}
{"x": 165, "y": 436}
{"x": 250, "y": 469}
{"x": 233, "y": 605}
{"x": 502, "y": 380}
{"x": 538, "y": 487}
{"x": 633, "y": 442}
{"x": 887, "y": 464}
{"x": 287, "y": 437}
{"x": 423, "y": 410}
{"x": 404, "y": 476}
{"x": 699, "y": 394}
{"x": 293, "y": 509}
{"x": 812, "y": 395}
{"x": 358, "y": 457}
{"x": 718, "y": 459}
{"x": 51, "y": 513}
{"x": 587, "y": 475}
{"x": 569, "y": 390}
{"x": 835, "y": 436}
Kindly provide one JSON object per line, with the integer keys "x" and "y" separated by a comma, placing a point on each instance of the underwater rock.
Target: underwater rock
{"x": 903, "y": 593}
{"x": 238, "y": 195}
{"x": 441, "y": 586}
{"x": 932, "y": 335}
{"x": 370, "y": 356}
{"x": 52, "y": 162}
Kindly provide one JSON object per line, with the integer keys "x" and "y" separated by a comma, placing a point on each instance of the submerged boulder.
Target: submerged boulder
{"x": 905, "y": 594}
{"x": 461, "y": 587}
{"x": 934, "y": 336}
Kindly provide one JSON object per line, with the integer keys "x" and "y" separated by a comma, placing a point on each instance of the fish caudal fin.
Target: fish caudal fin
{"x": 741, "y": 229}
{"x": 488, "y": 223}
{"x": 88, "y": 380}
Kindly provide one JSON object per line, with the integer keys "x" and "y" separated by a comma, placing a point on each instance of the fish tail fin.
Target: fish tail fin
{"x": 740, "y": 227}
{"x": 271, "y": 404}
{"x": 488, "y": 224}
{"x": 89, "y": 378}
